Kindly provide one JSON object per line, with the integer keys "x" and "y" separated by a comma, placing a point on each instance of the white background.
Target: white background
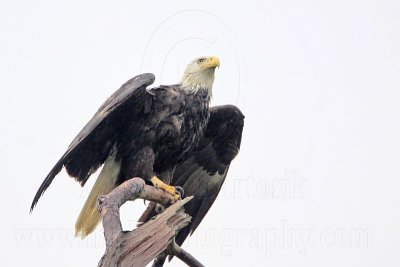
{"x": 317, "y": 180}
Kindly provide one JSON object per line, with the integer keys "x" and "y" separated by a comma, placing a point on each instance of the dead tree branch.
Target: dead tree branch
{"x": 142, "y": 245}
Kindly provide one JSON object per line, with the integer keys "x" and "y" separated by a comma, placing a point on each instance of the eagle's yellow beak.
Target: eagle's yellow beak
{"x": 210, "y": 62}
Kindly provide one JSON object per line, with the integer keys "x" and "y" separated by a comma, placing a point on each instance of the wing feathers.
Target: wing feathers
{"x": 204, "y": 171}
{"x": 92, "y": 145}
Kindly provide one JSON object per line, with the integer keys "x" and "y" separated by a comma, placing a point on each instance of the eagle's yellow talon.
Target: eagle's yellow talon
{"x": 157, "y": 183}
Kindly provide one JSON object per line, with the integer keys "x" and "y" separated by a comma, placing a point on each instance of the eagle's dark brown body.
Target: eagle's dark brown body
{"x": 170, "y": 126}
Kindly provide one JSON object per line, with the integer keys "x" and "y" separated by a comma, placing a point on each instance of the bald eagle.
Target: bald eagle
{"x": 166, "y": 135}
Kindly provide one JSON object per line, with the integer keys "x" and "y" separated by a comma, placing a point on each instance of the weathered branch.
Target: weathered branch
{"x": 140, "y": 246}
{"x": 175, "y": 250}
{"x": 185, "y": 256}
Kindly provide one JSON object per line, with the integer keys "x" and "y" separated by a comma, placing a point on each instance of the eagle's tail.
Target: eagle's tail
{"x": 89, "y": 217}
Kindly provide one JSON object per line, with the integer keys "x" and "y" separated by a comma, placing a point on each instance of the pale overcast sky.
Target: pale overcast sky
{"x": 317, "y": 180}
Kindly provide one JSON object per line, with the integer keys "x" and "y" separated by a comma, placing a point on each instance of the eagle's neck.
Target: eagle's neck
{"x": 192, "y": 82}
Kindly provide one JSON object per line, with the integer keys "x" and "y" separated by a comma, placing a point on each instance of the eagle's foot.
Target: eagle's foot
{"x": 180, "y": 191}
{"x": 157, "y": 183}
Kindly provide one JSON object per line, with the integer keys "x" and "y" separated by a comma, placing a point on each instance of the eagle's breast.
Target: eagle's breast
{"x": 180, "y": 132}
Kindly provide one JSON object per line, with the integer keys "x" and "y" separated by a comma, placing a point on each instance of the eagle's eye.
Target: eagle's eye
{"x": 200, "y": 60}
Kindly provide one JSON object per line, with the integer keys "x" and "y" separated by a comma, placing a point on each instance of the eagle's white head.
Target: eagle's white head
{"x": 199, "y": 74}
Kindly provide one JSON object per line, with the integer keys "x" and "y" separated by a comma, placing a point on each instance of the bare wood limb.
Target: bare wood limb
{"x": 175, "y": 250}
{"x": 132, "y": 189}
{"x": 140, "y": 246}
{"x": 184, "y": 256}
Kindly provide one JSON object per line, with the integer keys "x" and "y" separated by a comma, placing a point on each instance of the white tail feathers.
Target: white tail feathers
{"x": 89, "y": 217}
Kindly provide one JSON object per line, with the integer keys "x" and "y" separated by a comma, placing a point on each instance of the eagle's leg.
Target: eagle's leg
{"x": 167, "y": 188}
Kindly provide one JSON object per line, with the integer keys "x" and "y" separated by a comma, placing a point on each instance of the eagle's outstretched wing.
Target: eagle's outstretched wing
{"x": 202, "y": 174}
{"x": 100, "y": 133}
